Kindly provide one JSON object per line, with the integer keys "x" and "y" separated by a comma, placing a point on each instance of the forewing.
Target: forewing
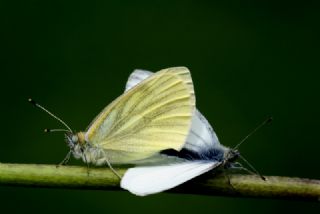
{"x": 143, "y": 181}
{"x": 152, "y": 116}
{"x": 201, "y": 136}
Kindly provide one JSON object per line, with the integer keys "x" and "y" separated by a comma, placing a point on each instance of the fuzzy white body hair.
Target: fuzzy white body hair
{"x": 90, "y": 154}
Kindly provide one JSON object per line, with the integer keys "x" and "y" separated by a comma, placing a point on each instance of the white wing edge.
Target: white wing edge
{"x": 143, "y": 181}
{"x": 137, "y": 76}
{"x": 201, "y": 136}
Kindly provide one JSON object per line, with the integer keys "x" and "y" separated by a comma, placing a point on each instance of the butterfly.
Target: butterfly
{"x": 201, "y": 153}
{"x": 152, "y": 116}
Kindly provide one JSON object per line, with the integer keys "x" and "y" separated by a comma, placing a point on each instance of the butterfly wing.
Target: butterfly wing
{"x": 201, "y": 136}
{"x": 157, "y": 178}
{"x": 147, "y": 180}
{"x": 152, "y": 116}
{"x": 137, "y": 76}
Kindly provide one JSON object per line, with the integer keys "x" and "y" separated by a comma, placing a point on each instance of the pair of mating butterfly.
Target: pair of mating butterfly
{"x": 154, "y": 125}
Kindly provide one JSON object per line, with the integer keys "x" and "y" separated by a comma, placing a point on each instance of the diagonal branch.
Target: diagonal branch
{"x": 34, "y": 175}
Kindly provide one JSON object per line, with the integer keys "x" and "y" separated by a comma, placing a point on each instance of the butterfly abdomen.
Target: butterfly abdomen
{"x": 211, "y": 154}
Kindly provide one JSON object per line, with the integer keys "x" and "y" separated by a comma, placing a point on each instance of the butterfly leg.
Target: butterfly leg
{"x": 86, "y": 161}
{"x": 238, "y": 166}
{"x": 112, "y": 169}
{"x": 227, "y": 176}
{"x": 65, "y": 160}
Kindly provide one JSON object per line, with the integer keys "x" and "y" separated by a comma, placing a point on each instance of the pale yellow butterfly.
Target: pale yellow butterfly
{"x": 152, "y": 116}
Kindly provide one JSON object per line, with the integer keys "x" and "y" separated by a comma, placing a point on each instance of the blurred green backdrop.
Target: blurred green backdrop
{"x": 248, "y": 60}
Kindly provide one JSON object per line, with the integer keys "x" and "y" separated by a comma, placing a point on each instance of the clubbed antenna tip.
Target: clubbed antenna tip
{"x": 269, "y": 120}
{"x": 51, "y": 114}
{"x": 30, "y": 100}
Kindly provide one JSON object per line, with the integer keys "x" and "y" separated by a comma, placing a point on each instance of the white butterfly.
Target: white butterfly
{"x": 201, "y": 153}
{"x": 153, "y": 116}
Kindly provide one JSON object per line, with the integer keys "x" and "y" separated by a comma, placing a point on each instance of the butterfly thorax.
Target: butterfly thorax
{"x": 81, "y": 149}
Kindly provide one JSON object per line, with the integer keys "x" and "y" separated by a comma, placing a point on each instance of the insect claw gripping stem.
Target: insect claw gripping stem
{"x": 227, "y": 176}
{"x": 65, "y": 160}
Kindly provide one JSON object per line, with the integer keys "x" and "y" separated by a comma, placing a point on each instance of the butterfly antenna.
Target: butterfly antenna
{"x": 55, "y": 130}
{"x": 253, "y": 131}
{"x": 51, "y": 114}
{"x": 253, "y": 169}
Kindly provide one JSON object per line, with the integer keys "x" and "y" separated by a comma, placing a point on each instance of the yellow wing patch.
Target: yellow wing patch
{"x": 152, "y": 116}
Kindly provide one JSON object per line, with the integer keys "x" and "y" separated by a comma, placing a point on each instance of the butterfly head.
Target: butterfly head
{"x": 73, "y": 139}
{"x": 232, "y": 155}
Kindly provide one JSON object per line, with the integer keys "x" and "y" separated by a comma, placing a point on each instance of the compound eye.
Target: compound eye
{"x": 74, "y": 138}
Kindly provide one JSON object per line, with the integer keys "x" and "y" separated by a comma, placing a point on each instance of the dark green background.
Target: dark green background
{"x": 248, "y": 60}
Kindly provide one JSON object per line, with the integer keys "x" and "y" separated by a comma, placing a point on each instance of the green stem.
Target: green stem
{"x": 50, "y": 176}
